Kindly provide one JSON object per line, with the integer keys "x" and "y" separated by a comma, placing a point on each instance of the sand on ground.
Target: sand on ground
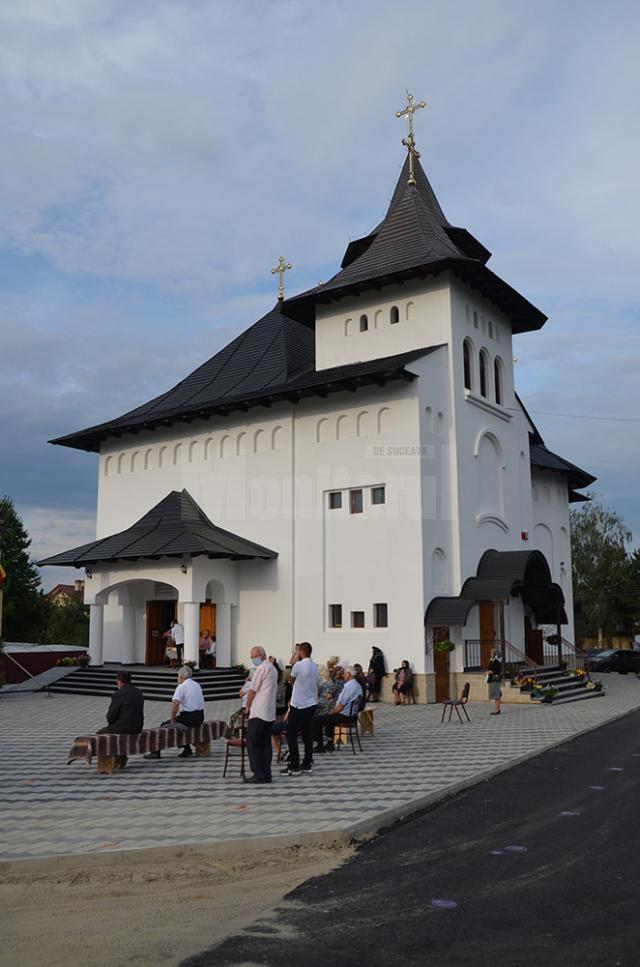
{"x": 145, "y": 911}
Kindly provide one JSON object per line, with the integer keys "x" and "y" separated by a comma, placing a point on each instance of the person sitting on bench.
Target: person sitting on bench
{"x": 346, "y": 708}
{"x": 187, "y": 709}
{"x": 125, "y": 715}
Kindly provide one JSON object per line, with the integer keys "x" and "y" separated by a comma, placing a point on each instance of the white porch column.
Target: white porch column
{"x": 223, "y": 635}
{"x": 127, "y": 655}
{"x": 96, "y": 626}
{"x": 191, "y": 623}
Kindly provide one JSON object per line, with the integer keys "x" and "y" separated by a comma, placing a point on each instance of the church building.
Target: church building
{"x": 354, "y": 469}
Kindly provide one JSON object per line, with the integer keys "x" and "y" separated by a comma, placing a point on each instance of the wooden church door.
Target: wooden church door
{"x": 487, "y": 631}
{"x": 533, "y": 642}
{"x": 441, "y": 665}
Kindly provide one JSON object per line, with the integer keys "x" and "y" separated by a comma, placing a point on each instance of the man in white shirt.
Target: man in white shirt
{"x": 187, "y": 709}
{"x": 261, "y": 709}
{"x": 176, "y": 632}
{"x": 302, "y": 707}
{"x": 346, "y": 708}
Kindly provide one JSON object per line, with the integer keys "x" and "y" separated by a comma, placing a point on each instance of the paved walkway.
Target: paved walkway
{"x": 48, "y": 808}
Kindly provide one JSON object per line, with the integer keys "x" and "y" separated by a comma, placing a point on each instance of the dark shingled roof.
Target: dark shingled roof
{"x": 176, "y": 527}
{"x": 547, "y": 460}
{"x": 245, "y": 374}
{"x": 415, "y": 240}
{"x": 500, "y": 575}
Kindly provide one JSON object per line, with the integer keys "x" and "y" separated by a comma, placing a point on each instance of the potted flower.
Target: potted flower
{"x": 445, "y": 646}
{"x": 580, "y": 673}
{"x": 548, "y": 694}
{"x": 190, "y": 664}
{"x": 528, "y": 684}
{"x": 84, "y": 659}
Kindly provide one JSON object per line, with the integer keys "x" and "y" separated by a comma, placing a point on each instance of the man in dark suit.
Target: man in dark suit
{"x": 125, "y": 715}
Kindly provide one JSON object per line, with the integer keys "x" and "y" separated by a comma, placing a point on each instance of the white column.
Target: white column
{"x": 223, "y": 635}
{"x": 96, "y": 626}
{"x": 191, "y": 624}
{"x": 127, "y": 656}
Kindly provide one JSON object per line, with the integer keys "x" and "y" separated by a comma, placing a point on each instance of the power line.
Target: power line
{"x": 582, "y": 416}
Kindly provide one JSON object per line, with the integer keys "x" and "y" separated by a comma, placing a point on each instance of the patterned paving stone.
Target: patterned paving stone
{"x": 48, "y": 808}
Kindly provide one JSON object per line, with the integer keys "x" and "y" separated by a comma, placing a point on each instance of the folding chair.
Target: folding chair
{"x": 240, "y": 743}
{"x": 457, "y": 704}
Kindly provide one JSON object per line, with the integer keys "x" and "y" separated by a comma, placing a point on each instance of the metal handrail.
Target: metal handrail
{"x": 513, "y": 656}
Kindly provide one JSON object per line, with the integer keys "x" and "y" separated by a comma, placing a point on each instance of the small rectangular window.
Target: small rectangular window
{"x": 335, "y": 500}
{"x": 357, "y": 619}
{"x": 355, "y": 498}
{"x": 377, "y": 495}
{"x": 335, "y": 616}
{"x": 380, "y": 616}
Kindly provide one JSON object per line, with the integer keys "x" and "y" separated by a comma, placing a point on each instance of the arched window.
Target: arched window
{"x": 394, "y": 315}
{"x": 364, "y": 323}
{"x": 377, "y": 319}
{"x": 467, "y": 353}
{"x": 484, "y": 381}
{"x": 409, "y": 311}
{"x": 348, "y": 327}
{"x": 497, "y": 380}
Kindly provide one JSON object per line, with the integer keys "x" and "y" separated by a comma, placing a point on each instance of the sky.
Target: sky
{"x": 159, "y": 156}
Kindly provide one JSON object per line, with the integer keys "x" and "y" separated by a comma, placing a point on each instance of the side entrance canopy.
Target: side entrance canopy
{"x": 176, "y": 527}
{"x": 501, "y": 575}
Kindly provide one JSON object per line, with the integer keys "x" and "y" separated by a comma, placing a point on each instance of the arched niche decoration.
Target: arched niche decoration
{"x": 384, "y": 420}
{"x": 490, "y": 475}
{"x": 439, "y": 571}
{"x": 363, "y": 423}
{"x": 342, "y": 427}
{"x": 322, "y": 430}
{"x": 277, "y": 438}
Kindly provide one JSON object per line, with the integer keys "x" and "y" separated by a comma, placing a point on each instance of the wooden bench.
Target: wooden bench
{"x": 111, "y": 748}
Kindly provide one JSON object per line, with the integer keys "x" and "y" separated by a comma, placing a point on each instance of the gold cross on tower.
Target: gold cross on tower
{"x": 280, "y": 269}
{"x": 409, "y": 142}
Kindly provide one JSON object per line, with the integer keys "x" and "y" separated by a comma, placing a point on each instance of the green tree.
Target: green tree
{"x": 606, "y": 576}
{"x": 67, "y": 623}
{"x": 22, "y": 613}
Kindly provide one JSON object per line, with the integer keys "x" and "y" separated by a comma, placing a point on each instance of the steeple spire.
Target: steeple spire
{"x": 280, "y": 269}
{"x": 410, "y": 142}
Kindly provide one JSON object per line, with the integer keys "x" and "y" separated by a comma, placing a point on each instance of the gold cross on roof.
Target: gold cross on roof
{"x": 410, "y": 143}
{"x": 280, "y": 269}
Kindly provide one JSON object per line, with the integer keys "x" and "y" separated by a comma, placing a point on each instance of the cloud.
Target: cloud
{"x": 163, "y": 155}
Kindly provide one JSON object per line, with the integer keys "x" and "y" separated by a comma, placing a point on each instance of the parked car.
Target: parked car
{"x": 616, "y": 660}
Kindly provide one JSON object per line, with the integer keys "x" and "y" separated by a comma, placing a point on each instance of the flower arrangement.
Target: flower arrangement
{"x": 190, "y": 664}
{"x": 548, "y": 694}
{"x": 594, "y": 686}
{"x": 446, "y": 646}
{"x": 81, "y": 660}
{"x": 580, "y": 673}
{"x": 526, "y": 682}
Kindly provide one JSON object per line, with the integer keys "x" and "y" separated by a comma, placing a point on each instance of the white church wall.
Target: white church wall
{"x": 422, "y": 311}
{"x": 491, "y": 437}
{"x": 551, "y": 533}
{"x": 439, "y": 527}
{"x": 358, "y": 560}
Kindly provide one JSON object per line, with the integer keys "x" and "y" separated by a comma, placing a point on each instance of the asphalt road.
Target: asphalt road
{"x": 538, "y": 866}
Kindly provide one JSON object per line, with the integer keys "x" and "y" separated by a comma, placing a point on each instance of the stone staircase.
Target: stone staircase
{"x": 570, "y": 688}
{"x": 157, "y": 684}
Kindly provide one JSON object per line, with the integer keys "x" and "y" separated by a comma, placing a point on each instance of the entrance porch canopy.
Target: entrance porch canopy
{"x": 176, "y": 527}
{"x": 501, "y": 575}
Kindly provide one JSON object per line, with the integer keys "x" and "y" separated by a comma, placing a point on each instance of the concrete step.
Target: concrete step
{"x": 579, "y": 697}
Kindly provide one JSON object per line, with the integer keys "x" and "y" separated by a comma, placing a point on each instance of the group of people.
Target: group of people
{"x": 174, "y": 647}
{"x": 125, "y": 715}
{"x": 313, "y": 709}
